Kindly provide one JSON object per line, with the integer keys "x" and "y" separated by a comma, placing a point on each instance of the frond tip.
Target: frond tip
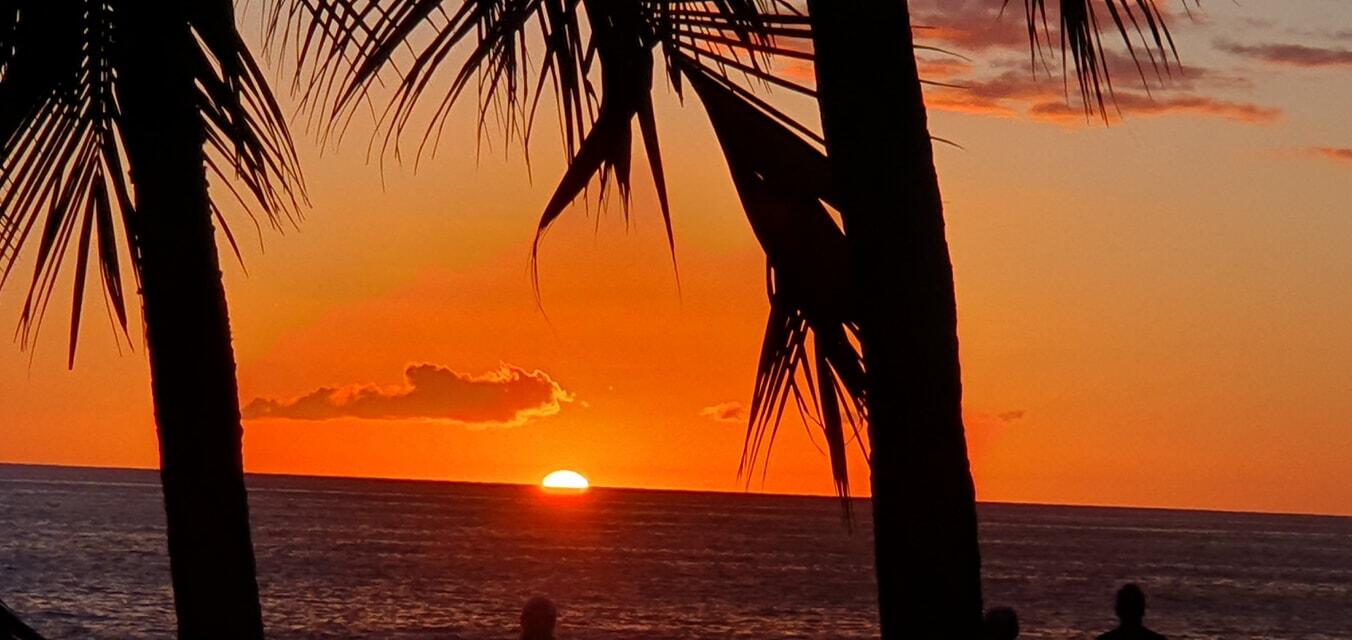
{"x": 1141, "y": 24}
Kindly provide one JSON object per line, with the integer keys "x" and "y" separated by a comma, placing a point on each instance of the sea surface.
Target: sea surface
{"x": 82, "y": 555}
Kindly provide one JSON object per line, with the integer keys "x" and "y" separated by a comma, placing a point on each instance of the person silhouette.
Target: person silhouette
{"x": 538, "y": 618}
{"x": 1001, "y": 623}
{"x": 1130, "y": 608}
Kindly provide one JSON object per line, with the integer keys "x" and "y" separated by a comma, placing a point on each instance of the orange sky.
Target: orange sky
{"x": 1155, "y": 313}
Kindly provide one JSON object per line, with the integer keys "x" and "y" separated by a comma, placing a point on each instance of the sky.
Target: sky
{"x": 1153, "y": 312}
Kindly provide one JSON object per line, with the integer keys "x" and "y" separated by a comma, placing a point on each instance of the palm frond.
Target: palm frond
{"x": 1141, "y": 25}
{"x": 245, "y": 126}
{"x": 596, "y": 64}
{"x": 64, "y": 183}
{"x": 783, "y": 183}
{"x": 60, "y": 163}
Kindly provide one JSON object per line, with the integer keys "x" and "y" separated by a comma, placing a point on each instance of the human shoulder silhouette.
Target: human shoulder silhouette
{"x": 1130, "y": 608}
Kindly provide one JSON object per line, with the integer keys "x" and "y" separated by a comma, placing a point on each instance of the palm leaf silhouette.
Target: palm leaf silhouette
{"x": 1141, "y": 25}
{"x": 783, "y": 182}
{"x": 64, "y": 186}
{"x": 345, "y": 47}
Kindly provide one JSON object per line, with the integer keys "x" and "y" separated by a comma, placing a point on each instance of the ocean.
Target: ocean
{"x": 82, "y": 555}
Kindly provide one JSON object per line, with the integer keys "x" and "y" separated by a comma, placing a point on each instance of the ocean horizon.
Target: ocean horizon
{"x": 83, "y": 556}
{"x": 731, "y": 492}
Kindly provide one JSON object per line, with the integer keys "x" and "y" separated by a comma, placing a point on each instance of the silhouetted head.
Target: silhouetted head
{"x": 1130, "y": 604}
{"x": 1002, "y": 624}
{"x": 537, "y": 619}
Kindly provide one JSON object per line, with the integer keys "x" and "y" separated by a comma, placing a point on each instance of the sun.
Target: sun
{"x": 565, "y": 480}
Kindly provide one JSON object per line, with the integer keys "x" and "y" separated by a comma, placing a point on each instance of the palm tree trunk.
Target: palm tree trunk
{"x": 187, "y": 328}
{"x": 877, "y": 139}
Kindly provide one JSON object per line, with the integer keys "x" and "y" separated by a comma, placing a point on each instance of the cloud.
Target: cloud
{"x": 983, "y": 26}
{"x": 1010, "y": 416}
{"x": 969, "y": 25}
{"x": 1009, "y": 80}
{"x": 731, "y": 411}
{"x": 981, "y": 420}
{"x": 1342, "y": 155}
{"x": 1192, "y": 105}
{"x": 1013, "y": 93}
{"x": 1292, "y": 55}
{"x": 507, "y": 397}
{"x": 984, "y": 429}
{"x": 1006, "y": 78}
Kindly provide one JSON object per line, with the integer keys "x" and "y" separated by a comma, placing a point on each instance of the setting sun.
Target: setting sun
{"x": 565, "y": 479}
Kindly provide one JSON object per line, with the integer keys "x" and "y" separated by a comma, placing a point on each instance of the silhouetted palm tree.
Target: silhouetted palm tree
{"x": 111, "y": 114}
{"x": 877, "y": 138}
{"x": 882, "y": 285}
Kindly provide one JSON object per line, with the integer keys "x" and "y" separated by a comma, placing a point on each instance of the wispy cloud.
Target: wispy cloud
{"x": 984, "y": 429}
{"x": 1341, "y": 155}
{"x": 1293, "y": 55}
{"x": 969, "y": 25}
{"x": 1010, "y": 416}
{"x": 507, "y": 397}
{"x": 731, "y": 411}
{"x": 1007, "y": 79}
{"x": 1014, "y": 93}
{"x": 1190, "y": 105}
{"x": 978, "y": 420}
{"x": 981, "y": 48}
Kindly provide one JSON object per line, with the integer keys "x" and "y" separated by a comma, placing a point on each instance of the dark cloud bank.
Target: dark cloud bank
{"x": 506, "y": 397}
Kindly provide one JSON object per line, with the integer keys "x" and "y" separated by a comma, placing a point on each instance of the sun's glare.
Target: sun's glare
{"x": 566, "y": 480}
